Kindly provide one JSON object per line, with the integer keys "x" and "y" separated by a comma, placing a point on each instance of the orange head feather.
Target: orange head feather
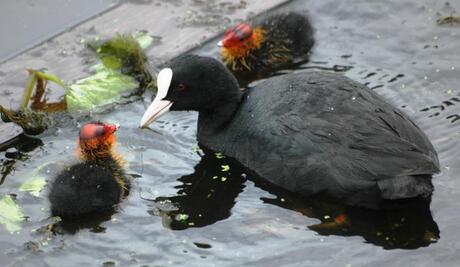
{"x": 96, "y": 140}
{"x": 238, "y": 41}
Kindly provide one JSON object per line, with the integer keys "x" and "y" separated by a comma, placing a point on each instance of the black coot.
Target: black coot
{"x": 308, "y": 132}
{"x": 266, "y": 44}
{"x": 95, "y": 184}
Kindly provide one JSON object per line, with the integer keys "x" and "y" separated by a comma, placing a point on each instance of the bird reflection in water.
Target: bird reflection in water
{"x": 205, "y": 196}
{"x": 403, "y": 224}
{"x": 92, "y": 221}
{"x": 208, "y": 195}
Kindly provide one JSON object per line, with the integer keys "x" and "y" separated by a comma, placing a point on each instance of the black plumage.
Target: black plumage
{"x": 308, "y": 132}
{"x": 274, "y": 41}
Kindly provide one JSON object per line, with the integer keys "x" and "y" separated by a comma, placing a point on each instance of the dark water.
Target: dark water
{"x": 192, "y": 207}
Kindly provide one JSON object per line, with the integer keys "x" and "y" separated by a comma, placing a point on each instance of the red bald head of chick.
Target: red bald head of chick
{"x": 96, "y": 140}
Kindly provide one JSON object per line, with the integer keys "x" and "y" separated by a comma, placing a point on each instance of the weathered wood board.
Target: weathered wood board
{"x": 181, "y": 24}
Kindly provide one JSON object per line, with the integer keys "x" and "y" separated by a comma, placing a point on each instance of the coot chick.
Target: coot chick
{"x": 95, "y": 184}
{"x": 268, "y": 44}
{"x": 308, "y": 132}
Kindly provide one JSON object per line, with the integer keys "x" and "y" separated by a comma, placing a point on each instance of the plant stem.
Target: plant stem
{"x": 30, "y": 85}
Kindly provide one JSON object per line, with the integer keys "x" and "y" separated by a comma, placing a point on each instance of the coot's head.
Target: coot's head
{"x": 97, "y": 138}
{"x": 193, "y": 83}
{"x": 239, "y": 40}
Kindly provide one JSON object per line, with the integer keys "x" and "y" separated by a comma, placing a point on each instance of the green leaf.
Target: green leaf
{"x": 48, "y": 77}
{"x": 123, "y": 51}
{"x": 143, "y": 39}
{"x": 10, "y": 214}
{"x": 104, "y": 87}
{"x": 33, "y": 185}
{"x": 111, "y": 62}
{"x": 30, "y": 85}
{"x": 34, "y": 75}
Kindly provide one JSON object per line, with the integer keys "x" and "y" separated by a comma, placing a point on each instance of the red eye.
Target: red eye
{"x": 180, "y": 87}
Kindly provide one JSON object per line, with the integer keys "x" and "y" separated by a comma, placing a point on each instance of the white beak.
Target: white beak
{"x": 159, "y": 106}
{"x": 220, "y": 44}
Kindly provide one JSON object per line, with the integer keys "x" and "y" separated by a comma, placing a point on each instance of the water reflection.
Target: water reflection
{"x": 208, "y": 195}
{"x": 205, "y": 196}
{"x": 403, "y": 224}
{"x": 15, "y": 150}
{"x": 92, "y": 221}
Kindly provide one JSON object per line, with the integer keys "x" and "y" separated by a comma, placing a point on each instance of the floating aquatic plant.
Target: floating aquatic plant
{"x": 34, "y": 185}
{"x": 125, "y": 53}
{"x": 104, "y": 87}
{"x": 38, "y": 80}
{"x": 123, "y": 69}
{"x": 32, "y": 122}
{"x": 10, "y": 214}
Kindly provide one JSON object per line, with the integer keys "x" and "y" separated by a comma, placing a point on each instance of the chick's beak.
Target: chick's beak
{"x": 220, "y": 43}
{"x": 159, "y": 106}
{"x": 115, "y": 127}
{"x": 111, "y": 128}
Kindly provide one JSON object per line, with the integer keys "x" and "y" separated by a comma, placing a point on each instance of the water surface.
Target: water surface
{"x": 190, "y": 206}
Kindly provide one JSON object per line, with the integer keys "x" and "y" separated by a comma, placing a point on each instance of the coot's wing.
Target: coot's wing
{"x": 338, "y": 134}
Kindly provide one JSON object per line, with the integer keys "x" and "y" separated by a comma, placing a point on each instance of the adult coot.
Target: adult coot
{"x": 95, "y": 184}
{"x": 309, "y": 132}
{"x": 269, "y": 43}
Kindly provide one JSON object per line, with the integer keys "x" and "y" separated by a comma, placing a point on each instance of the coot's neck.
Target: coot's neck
{"x": 213, "y": 120}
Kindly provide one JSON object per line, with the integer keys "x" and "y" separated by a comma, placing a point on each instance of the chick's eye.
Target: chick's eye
{"x": 180, "y": 87}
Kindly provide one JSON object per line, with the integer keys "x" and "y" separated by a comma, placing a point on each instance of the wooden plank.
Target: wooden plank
{"x": 182, "y": 27}
{"x": 181, "y": 24}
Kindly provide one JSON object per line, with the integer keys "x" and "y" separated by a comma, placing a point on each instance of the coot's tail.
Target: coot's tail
{"x": 394, "y": 192}
{"x": 410, "y": 186}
